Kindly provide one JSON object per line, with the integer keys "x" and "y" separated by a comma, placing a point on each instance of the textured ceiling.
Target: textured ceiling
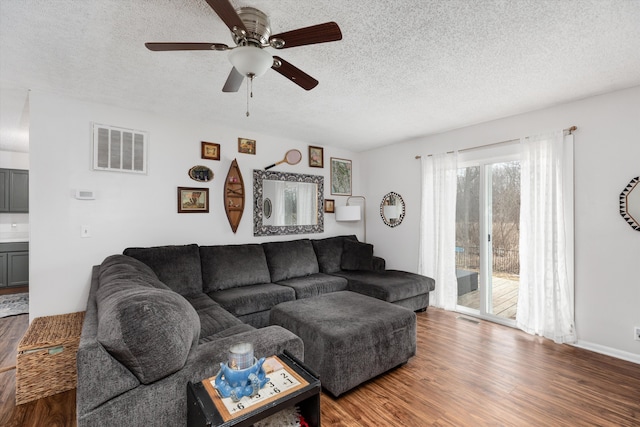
{"x": 403, "y": 68}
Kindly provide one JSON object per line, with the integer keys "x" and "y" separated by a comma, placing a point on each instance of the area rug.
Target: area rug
{"x": 13, "y": 304}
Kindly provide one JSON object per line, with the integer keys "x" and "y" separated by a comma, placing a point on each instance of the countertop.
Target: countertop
{"x": 14, "y": 237}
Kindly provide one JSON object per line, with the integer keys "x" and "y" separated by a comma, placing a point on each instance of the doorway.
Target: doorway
{"x": 487, "y": 238}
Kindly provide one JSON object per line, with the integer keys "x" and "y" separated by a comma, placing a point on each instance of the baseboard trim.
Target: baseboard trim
{"x": 609, "y": 351}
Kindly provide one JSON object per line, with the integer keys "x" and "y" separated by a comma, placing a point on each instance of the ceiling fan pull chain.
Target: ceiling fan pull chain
{"x": 249, "y": 90}
{"x": 248, "y": 82}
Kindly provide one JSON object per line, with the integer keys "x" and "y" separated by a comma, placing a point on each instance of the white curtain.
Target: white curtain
{"x": 437, "y": 258}
{"x": 307, "y": 201}
{"x": 545, "y": 300}
{"x": 279, "y": 208}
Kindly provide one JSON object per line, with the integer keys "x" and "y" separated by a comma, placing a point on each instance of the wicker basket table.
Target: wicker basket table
{"x": 46, "y": 361}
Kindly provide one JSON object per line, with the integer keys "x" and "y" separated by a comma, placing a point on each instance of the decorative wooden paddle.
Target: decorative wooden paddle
{"x": 292, "y": 157}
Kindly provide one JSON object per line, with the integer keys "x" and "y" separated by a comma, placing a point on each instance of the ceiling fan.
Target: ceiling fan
{"x": 251, "y": 32}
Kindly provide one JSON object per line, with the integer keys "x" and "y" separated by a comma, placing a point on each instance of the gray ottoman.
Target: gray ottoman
{"x": 349, "y": 338}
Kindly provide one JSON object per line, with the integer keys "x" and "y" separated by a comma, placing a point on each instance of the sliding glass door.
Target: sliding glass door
{"x": 487, "y": 238}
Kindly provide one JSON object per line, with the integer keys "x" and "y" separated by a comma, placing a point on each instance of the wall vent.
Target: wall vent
{"x": 466, "y": 319}
{"x": 119, "y": 150}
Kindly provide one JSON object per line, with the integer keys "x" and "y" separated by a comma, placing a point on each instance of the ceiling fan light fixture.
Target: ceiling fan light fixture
{"x": 250, "y": 60}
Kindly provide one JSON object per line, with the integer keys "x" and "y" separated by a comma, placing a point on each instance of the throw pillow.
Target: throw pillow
{"x": 329, "y": 252}
{"x": 357, "y": 256}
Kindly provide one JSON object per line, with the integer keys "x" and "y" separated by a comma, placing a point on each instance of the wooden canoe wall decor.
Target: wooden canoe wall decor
{"x": 234, "y": 195}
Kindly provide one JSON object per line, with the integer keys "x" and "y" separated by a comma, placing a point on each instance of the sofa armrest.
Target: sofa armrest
{"x": 268, "y": 341}
{"x": 164, "y": 402}
{"x": 100, "y": 376}
{"x": 379, "y": 264}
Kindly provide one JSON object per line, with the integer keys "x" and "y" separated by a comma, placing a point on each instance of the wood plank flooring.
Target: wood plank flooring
{"x": 464, "y": 374}
{"x": 54, "y": 411}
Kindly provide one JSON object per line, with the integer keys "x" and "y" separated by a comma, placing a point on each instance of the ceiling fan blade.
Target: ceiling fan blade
{"x": 233, "y": 81}
{"x": 185, "y": 46}
{"x": 227, "y": 13}
{"x": 296, "y": 75}
{"x": 321, "y": 33}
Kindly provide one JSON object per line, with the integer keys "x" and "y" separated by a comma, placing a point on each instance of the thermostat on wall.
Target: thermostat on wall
{"x": 85, "y": 195}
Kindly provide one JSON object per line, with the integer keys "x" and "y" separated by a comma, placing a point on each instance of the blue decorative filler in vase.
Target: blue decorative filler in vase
{"x": 243, "y": 375}
{"x": 238, "y": 383}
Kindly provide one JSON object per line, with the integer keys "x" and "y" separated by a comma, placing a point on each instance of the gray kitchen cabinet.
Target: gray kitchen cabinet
{"x": 4, "y": 190}
{"x": 14, "y": 264}
{"x": 3, "y": 271}
{"x": 14, "y": 190}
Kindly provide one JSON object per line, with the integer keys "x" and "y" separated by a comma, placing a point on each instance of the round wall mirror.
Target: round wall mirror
{"x": 267, "y": 208}
{"x": 201, "y": 173}
{"x": 392, "y": 209}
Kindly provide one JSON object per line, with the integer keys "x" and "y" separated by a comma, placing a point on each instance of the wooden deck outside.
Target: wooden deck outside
{"x": 505, "y": 297}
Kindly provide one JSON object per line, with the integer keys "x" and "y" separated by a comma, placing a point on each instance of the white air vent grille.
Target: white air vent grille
{"x": 119, "y": 150}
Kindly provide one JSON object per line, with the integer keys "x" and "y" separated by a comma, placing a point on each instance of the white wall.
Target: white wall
{"x": 607, "y": 250}
{"x": 133, "y": 210}
{"x": 14, "y": 225}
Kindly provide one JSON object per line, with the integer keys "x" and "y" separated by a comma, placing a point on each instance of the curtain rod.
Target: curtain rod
{"x": 568, "y": 130}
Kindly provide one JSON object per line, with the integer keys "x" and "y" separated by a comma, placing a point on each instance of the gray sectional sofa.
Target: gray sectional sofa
{"x": 162, "y": 316}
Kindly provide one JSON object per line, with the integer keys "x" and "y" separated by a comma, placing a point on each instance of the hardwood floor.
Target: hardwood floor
{"x": 54, "y": 411}
{"x": 464, "y": 374}
{"x": 14, "y": 290}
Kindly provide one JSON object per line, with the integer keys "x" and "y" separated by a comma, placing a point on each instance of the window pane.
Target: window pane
{"x": 468, "y": 236}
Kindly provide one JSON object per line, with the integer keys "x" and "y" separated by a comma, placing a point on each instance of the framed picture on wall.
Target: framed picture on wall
{"x": 193, "y": 200}
{"x": 247, "y": 146}
{"x": 340, "y": 177}
{"x": 329, "y": 206}
{"x": 316, "y": 157}
{"x": 210, "y": 150}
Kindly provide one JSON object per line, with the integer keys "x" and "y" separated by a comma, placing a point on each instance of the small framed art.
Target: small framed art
{"x": 340, "y": 177}
{"x": 193, "y": 200}
{"x": 329, "y": 206}
{"x": 247, "y": 146}
{"x": 316, "y": 157}
{"x": 210, "y": 150}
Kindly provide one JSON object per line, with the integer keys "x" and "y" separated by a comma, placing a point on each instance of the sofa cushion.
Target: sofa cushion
{"x": 290, "y": 259}
{"x": 329, "y": 252}
{"x": 150, "y": 331}
{"x": 253, "y": 298}
{"x": 315, "y": 284}
{"x": 228, "y": 332}
{"x": 388, "y": 285}
{"x": 357, "y": 256}
{"x": 230, "y": 266}
{"x": 176, "y": 266}
{"x": 213, "y": 318}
